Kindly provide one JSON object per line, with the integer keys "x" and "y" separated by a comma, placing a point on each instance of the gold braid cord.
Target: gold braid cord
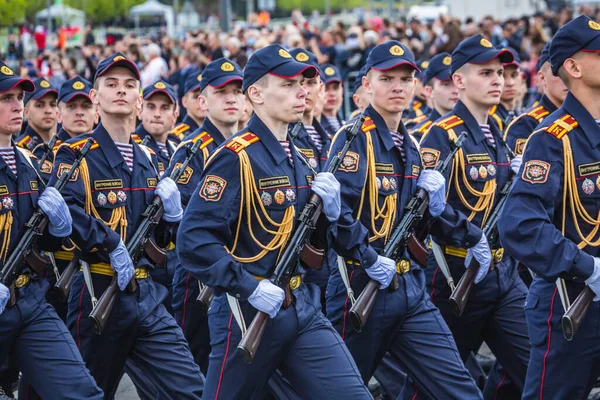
{"x": 571, "y": 194}
{"x": 118, "y": 218}
{"x": 250, "y": 204}
{"x": 388, "y": 212}
{"x": 485, "y": 198}
{"x": 6, "y": 221}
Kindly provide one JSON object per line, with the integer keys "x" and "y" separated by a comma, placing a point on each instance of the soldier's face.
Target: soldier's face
{"x": 193, "y": 107}
{"x": 158, "y": 114}
{"x": 361, "y": 98}
{"x": 11, "y": 111}
{"x": 334, "y": 96}
{"x": 118, "y": 92}
{"x": 314, "y": 89}
{"x": 43, "y": 112}
{"x": 285, "y": 98}
{"x": 481, "y": 83}
{"x": 444, "y": 94}
{"x": 78, "y": 115}
{"x": 390, "y": 90}
{"x": 553, "y": 86}
{"x": 512, "y": 83}
{"x": 225, "y": 104}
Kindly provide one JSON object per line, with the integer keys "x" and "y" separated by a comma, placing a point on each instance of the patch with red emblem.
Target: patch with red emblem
{"x": 212, "y": 188}
{"x": 536, "y": 171}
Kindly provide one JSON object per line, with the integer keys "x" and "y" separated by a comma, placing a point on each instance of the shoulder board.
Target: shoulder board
{"x": 24, "y": 142}
{"x": 449, "y": 123}
{"x": 425, "y": 126}
{"x": 368, "y": 125}
{"x": 498, "y": 121}
{"x": 417, "y": 120}
{"x": 147, "y": 148}
{"x": 179, "y": 129}
{"x": 416, "y": 105}
{"x": 493, "y": 110}
{"x": 205, "y": 138}
{"x": 136, "y": 138}
{"x": 242, "y": 141}
{"x": 57, "y": 145}
{"x": 562, "y": 126}
{"x": 79, "y": 144}
{"x": 538, "y": 113}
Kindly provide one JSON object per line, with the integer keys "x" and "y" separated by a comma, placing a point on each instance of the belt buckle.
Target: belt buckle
{"x": 403, "y": 266}
{"x": 141, "y": 273}
{"x": 21, "y": 281}
{"x": 295, "y": 282}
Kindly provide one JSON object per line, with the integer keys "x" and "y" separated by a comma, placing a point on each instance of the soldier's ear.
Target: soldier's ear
{"x": 94, "y": 96}
{"x": 202, "y": 101}
{"x": 366, "y": 84}
{"x": 255, "y": 94}
{"x": 459, "y": 80}
{"x": 573, "y": 68}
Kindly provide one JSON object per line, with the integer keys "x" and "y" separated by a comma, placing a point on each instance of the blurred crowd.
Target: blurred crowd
{"x": 335, "y": 42}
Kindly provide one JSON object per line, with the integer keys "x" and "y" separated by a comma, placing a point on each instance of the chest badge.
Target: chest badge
{"x": 290, "y": 195}
{"x": 313, "y": 162}
{"x": 378, "y": 181}
{"x": 112, "y": 197}
{"x": 473, "y": 173}
{"x": 266, "y": 199}
{"x": 393, "y": 183}
{"x": 279, "y": 197}
{"x": 8, "y": 203}
{"x": 385, "y": 182}
{"x": 121, "y": 196}
{"x": 587, "y": 186}
{"x": 491, "y": 169}
{"x": 598, "y": 182}
{"x": 483, "y": 172}
{"x": 101, "y": 199}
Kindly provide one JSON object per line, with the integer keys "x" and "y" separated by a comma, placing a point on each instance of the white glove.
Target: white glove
{"x": 435, "y": 185}
{"x": 171, "y": 198}
{"x": 122, "y": 264}
{"x": 383, "y": 271}
{"x": 483, "y": 255}
{"x": 4, "y": 296}
{"x": 267, "y": 298}
{"x": 594, "y": 281}
{"x": 54, "y": 206}
{"x": 515, "y": 164}
{"x": 328, "y": 189}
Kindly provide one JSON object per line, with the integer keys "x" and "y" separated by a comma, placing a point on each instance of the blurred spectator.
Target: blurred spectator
{"x": 156, "y": 67}
{"x": 89, "y": 36}
{"x": 40, "y": 38}
{"x": 234, "y": 47}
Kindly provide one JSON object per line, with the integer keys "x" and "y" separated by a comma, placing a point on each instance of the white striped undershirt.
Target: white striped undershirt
{"x": 8, "y": 155}
{"x": 163, "y": 149}
{"x": 485, "y": 128}
{"x": 399, "y": 142}
{"x": 314, "y": 135}
{"x": 335, "y": 124}
{"x": 286, "y": 146}
{"x": 126, "y": 150}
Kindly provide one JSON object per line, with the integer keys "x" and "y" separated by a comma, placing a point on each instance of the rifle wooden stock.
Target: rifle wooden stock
{"x": 417, "y": 250}
{"x": 458, "y": 299}
{"x": 364, "y": 304}
{"x": 100, "y": 314}
{"x": 573, "y": 318}
{"x": 67, "y": 277}
{"x": 249, "y": 344}
{"x": 205, "y": 298}
{"x": 155, "y": 253}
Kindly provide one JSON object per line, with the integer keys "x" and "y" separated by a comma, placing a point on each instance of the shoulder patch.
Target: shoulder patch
{"x": 538, "y": 113}
{"x": 430, "y": 157}
{"x": 562, "y": 126}
{"x": 46, "y": 167}
{"x": 450, "y": 122}
{"x": 242, "y": 141}
{"x": 66, "y": 168}
{"x": 536, "y": 171}
{"x": 350, "y": 162}
{"x": 186, "y": 175}
{"x": 212, "y": 188}
{"x": 520, "y": 146}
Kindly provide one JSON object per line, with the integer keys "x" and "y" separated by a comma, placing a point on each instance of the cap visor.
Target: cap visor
{"x": 505, "y": 57}
{"x": 393, "y": 63}
{"x": 69, "y": 97}
{"x": 224, "y": 80}
{"x": 125, "y": 64}
{"x": 292, "y": 69}
{"x": 163, "y": 91}
{"x": 11, "y": 83}
{"x": 42, "y": 93}
{"x": 514, "y": 63}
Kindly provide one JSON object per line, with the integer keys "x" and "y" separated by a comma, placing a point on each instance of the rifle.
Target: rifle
{"x": 135, "y": 247}
{"x": 287, "y": 263}
{"x": 399, "y": 241}
{"x": 459, "y": 297}
{"x": 48, "y": 149}
{"x": 146, "y": 140}
{"x": 573, "y": 318}
{"x": 63, "y": 284}
{"x": 35, "y": 228}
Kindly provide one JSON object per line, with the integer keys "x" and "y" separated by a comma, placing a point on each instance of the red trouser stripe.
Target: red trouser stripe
{"x": 498, "y": 387}
{"x": 224, "y": 358}
{"x": 187, "y": 288}
{"x": 432, "y": 295}
{"x": 549, "y": 341}
{"x": 79, "y": 316}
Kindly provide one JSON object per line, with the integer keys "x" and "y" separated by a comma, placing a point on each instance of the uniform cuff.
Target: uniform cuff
{"x": 583, "y": 267}
{"x": 473, "y": 237}
{"x": 370, "y": 258}
{"x": 246, "y": 286}
{"x": 112, "y": 241}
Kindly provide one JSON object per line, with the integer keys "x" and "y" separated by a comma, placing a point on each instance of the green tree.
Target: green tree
{"x": 102, "y": 10}
{"x": 12, "y": 11}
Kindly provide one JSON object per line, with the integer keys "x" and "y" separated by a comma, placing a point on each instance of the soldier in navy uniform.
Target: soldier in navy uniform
{"x": 360, "y": 97}
{"x": 195, "y": 113}
{"x": 46, "y": 354}
{"x": 240, "y": 218}
{"x": 334, "y": 98}
{"x": 442, "y": 91}
{"x": 504, "y": 112}
{"x": 41, "y": 113}
{"x": 379, "y": 176}
{"x": 221, "y": 88}
{"x": 555, "y": 91}
{"x": 114, "y": 184}
{"x": 550, "y": 222}
{"x": 419, "y": 106}
{"x": 479, "y": 171}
